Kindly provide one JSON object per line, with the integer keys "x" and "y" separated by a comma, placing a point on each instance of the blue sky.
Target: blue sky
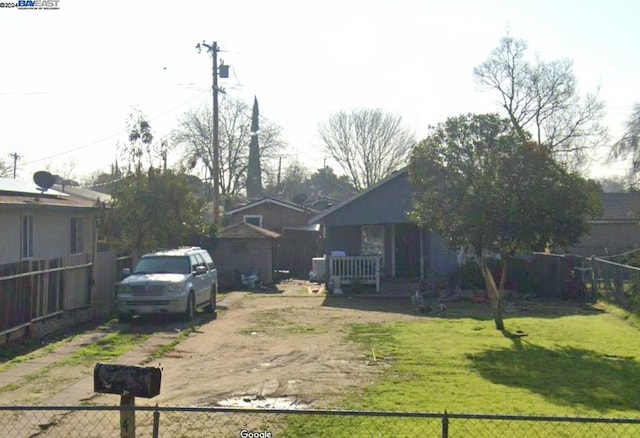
{"x": 69, "y": 77}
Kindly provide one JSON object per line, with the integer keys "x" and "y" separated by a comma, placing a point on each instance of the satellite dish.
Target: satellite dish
{"x": 44, "y": 180}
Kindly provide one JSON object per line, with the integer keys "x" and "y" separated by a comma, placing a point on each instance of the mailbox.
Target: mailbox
{"x": 127, "y": 380}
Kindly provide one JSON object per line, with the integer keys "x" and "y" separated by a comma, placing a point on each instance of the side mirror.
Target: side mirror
{"x": 126, "y": 272}
{"x": 200, "y": 270}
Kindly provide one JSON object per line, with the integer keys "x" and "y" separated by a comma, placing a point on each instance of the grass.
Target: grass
{"x": 106, "y": 349}
{"x": 13, "y": 354}
{"x": 570, "y": 363}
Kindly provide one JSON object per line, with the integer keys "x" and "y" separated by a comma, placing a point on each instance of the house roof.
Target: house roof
{"x": 24, "y": 193}
{"x": 620, "y": 207}
{"x": 268, "y": 200}
{"x": 84, "y": 193}
{"x": 243, "y": 230}
{"x": 21, "y": 187}
{"x": 336, "y": 208}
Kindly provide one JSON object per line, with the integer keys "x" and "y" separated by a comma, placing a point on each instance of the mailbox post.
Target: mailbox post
{"x": 129, "y": 382}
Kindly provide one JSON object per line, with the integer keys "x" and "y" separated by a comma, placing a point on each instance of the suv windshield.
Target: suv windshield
{"x": 164, "y": 264}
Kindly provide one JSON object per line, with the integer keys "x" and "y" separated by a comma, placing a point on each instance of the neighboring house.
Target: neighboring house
{"x": 616, "y": 231}
{"x": 321, "y": 204}
{"x": 243, "y": 248}
{"x": 298, "y": 243}
{"x": 46, "y": 259}
{"x": 271, "y": 214}
{"x": 375, "y": 222}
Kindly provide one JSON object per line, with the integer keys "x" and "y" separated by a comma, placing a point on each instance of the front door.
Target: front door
{"x": 407, "y": 251}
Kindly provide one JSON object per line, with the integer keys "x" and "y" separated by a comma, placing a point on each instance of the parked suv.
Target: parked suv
{"x": 169, "y": 281}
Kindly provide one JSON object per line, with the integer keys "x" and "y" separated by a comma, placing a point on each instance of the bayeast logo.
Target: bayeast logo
{"x": 38, "y": 4}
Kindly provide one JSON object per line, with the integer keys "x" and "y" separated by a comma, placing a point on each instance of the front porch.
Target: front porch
{"x": 353, "y": 270}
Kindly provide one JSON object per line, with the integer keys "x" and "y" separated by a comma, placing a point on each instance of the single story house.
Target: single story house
{"x": 46, "y": 259}
{"x": 375, "y": 222}
{"x": 616, "y": 231}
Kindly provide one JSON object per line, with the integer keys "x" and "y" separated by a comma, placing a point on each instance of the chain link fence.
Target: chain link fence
{"x": 102, "y": 421}
{"x": 613, "y": 279}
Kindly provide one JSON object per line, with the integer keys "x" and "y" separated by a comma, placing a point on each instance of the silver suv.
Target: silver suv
{"x": 169, "y": 281}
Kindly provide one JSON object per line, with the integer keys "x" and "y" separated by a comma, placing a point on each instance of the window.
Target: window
{"x": 26, "y": 232}
{"x": 372, "y": 242}
{"x": 76, "y": 235}
{"x": 253, "y": 220}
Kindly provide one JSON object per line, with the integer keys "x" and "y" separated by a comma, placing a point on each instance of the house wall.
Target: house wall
{"x": 246, "y": 256}
{"x": 274, "y": 216}
{"x": 442, "y": 259}
{"x": 608, "y": 239}
{"x": 10, "y": 237}
{"x": 51, "y": 233}
{"x": 296, "y": 250}
{"x": 345, "y": 239}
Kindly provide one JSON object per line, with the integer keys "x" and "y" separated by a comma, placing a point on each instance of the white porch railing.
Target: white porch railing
{"x": 355, "y": 270}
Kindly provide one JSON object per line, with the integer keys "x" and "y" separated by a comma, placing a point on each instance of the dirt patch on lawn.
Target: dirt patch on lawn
{"x": 283, "y": 348}
{"x": 274, "y": 350}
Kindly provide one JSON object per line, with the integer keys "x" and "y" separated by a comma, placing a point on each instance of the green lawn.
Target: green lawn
{"x": 582, "y": 364}
{"x": 572, "y": 362}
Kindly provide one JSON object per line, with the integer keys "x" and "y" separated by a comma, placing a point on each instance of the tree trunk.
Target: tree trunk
{"x": 495, "y": 292}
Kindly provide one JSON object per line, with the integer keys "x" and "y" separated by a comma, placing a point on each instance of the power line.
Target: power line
{"x": 109, "y": 137}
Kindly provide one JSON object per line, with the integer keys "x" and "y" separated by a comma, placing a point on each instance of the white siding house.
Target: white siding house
{"x": 47, "y": 251}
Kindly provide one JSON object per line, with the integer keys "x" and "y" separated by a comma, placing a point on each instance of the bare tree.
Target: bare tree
{"x": 195, "y": 132}
{"x": 542, "y": 98}
{"x": 629, "y": 145}
{"x": 5, "y": 168}
{"x": 367, "y": 144}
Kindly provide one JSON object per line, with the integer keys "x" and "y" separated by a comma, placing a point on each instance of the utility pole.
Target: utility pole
{"x": 224, "y": 72}
{"x": 15, "y": 157}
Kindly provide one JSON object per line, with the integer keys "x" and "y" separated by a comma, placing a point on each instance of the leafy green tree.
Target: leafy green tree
{"x": 477, "y": 183}
{"x": 254, "y": 170}
{"x": 140, "y": 140}
{"x": 151, "y": 210}
{"x": 325, "y": 183}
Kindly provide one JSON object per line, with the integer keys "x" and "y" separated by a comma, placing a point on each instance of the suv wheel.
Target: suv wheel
{"x": 190, "y": 311}
{"x": 211, "y": 306}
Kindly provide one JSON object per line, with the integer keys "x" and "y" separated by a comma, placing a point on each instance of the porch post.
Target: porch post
{"x": 421, "y": 254}
{"x": 393, "y": 250}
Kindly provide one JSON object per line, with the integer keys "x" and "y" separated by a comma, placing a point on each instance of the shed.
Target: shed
{"x": 245, "y": 248}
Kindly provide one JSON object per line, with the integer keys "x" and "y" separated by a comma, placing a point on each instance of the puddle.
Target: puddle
{"x": 262, "y": 402}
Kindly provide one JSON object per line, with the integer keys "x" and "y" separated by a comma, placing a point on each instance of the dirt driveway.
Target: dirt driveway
{"x": 282, "y": 349}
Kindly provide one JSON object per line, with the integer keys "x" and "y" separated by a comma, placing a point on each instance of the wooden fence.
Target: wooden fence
{"x": 39, "y": 296}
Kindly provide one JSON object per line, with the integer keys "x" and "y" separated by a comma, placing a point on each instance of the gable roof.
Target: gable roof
{"x": 402, "y": 173}
{"x": 84, "y": 193}
{"x": 268, "y": 200}
{"x": 243, "y": 230}
{"x": 620, "y": 207}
